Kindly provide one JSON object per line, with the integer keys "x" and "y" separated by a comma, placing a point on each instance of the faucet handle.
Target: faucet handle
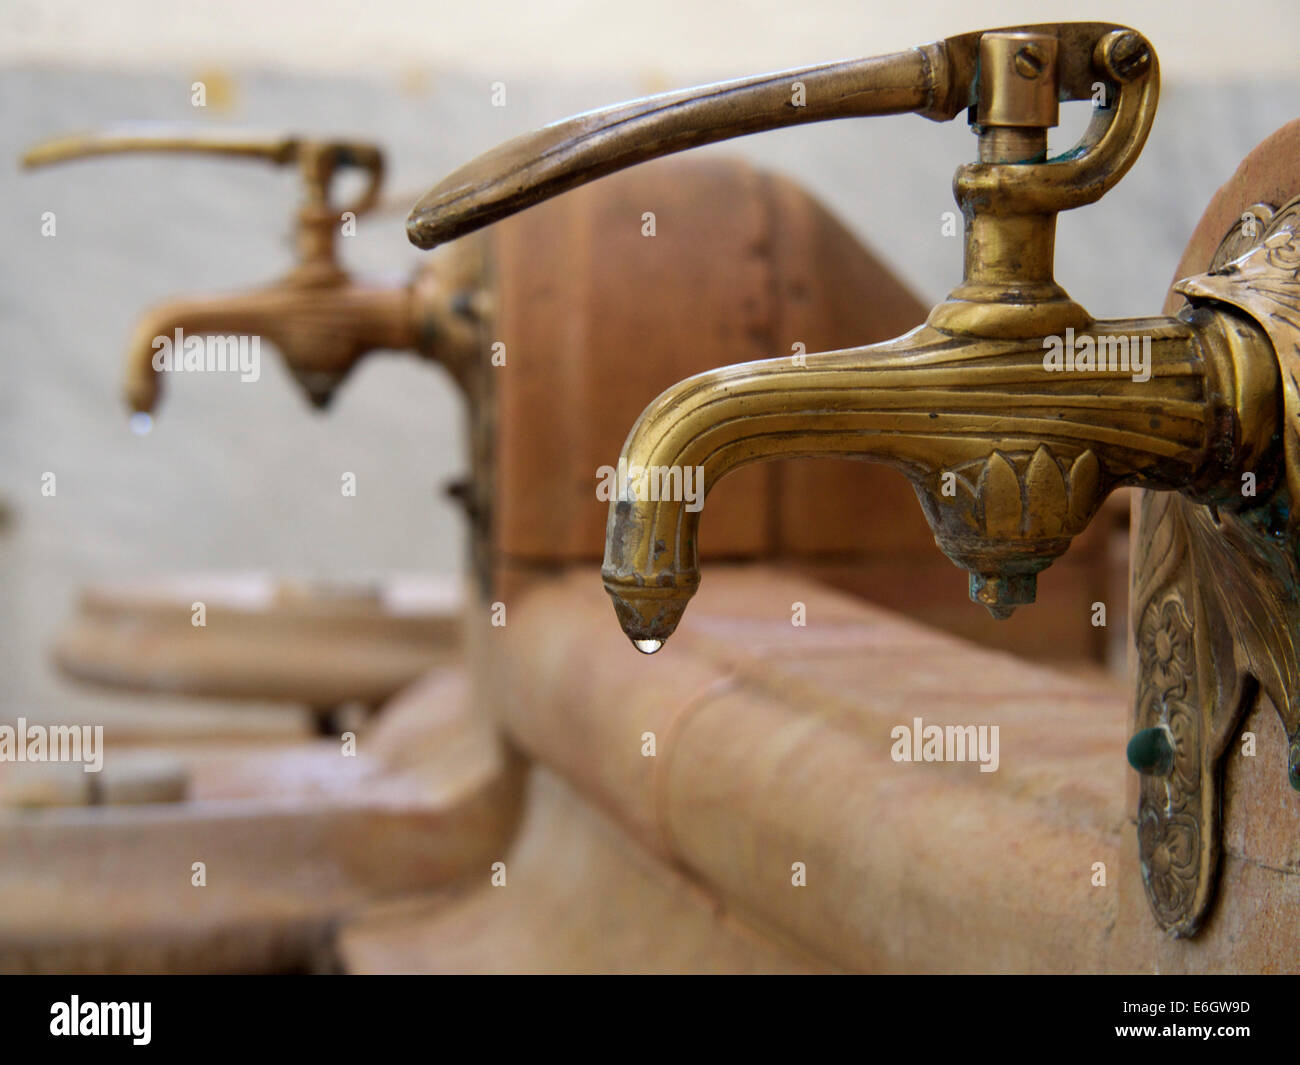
{"x": 318, "y": 160}
{"x": 1043, "y": 65}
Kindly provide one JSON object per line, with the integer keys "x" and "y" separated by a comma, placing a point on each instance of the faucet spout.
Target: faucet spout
{"x": 1010, "y": 453}
{"x": 320, "y": 326}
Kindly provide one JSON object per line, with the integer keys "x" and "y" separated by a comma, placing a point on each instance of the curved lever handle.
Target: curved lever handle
{"x": 318, "y": 160}
{"x": 546, "y": 162}
{"x": 937, "y": 80}
{"x": 157, "y": 137}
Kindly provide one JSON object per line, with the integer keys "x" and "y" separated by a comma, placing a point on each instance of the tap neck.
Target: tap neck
{"x": 1008, "y": 288}
{"x": 1011, "y": 444}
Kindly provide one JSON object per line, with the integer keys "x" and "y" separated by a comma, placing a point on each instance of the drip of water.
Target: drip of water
{"x": 647, "y": 647}
{"x": 141, "y": 423}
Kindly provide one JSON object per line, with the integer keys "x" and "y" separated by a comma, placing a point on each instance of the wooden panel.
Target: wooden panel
{"x": 598, "y": 320}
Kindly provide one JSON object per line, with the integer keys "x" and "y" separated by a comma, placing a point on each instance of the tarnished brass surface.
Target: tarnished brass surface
{"x": 1008, "y": 463}
{"x": 1024, "y": 95}
{"x": 1214, "y": 600}
{"x": 937, "y": 80}
{"x": 318, "y": 159}
{"x": 320, "y": 318}
{"x": 1009, "y": 459}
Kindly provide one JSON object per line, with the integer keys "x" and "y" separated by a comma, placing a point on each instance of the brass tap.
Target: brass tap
{"x": 320, "y": 318}
{"x": 995, "y": 408}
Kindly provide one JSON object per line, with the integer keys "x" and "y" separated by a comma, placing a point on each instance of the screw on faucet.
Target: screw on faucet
{"x": 1031, "y": 61}
{"x": 1125, "y": 54}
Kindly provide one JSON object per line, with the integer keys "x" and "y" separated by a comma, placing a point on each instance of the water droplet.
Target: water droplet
{"x": 141, "y": 423}
{"x": 647, "y": 647}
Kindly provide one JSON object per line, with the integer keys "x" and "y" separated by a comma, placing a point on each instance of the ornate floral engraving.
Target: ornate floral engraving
{"x": 1216, "y": 596}
{"x": 1169, "y": 836}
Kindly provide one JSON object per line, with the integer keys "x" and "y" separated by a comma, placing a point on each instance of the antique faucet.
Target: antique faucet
{"x": 1012, "y": 410}
{"x": 320, "y": 318}
{"x": 1009, "y": 460}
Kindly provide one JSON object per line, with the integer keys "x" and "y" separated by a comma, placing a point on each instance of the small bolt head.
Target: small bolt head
{"x": 1125, "y": 54}
{"x": 1030, "y": 61}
